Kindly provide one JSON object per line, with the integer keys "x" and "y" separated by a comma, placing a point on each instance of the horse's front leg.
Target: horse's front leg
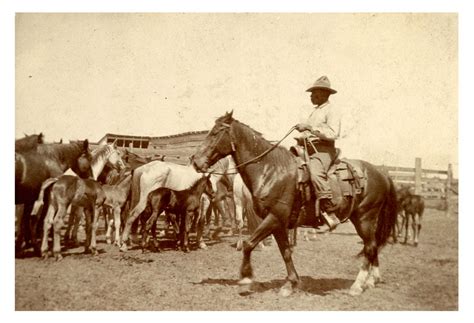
{"x": 266, "y": 227}
{"x": 185, "y": 225}
{"x": 281, "y": 236}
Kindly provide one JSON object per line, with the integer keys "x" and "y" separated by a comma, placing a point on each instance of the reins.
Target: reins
{"x": 252, "y": 160}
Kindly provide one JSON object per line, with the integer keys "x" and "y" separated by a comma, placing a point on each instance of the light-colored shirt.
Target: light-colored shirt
{"x": 326, "y": 119}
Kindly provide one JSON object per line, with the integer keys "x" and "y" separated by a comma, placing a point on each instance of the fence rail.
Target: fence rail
{"x": 437, "y": 186}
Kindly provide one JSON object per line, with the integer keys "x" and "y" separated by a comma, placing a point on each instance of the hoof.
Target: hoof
{"x": 245, "y": 281}
{"x": 95, "y": 252}
{"x": 45, "y": 255}
{"x": 245, "y": 286}
{"x": 108, "y": 241}
{"x": 416, "y": 244}
{"x": 369, "y": 284}
{"x": 356, "y": 291}
{"x": 203, "y": 245}
{"x": 58, "y": 256}
{"x": 285, "y": 292}
{"x": 123, "y": 247}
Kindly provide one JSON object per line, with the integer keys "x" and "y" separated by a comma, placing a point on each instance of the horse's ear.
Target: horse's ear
{"x": 86, "y": 145}
{"x": 41, "y": 138}
{"x": 228, "y": 116}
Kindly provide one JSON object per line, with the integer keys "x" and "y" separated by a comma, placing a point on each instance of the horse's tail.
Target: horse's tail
{"x": 387, "y": 216}
{"x": 39, "y": 203}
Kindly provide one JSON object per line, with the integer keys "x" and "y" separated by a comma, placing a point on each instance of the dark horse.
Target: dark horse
{"x": 411, "y": 207}
{"x": 28, "y": 142}
{"x": 33, "y": 167}
{"x": 271, "y": 176}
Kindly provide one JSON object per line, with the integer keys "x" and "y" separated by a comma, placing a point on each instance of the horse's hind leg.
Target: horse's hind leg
{"x": 406, "y": 223}
{"x": 58, "y": 223}
{"x": 360, "y": 282}
{"x": 416, "y": 225}
{"x": 48, "y": 223}
{"x": 369, "y": 273}
{"x": 135, "y": 213}
{"x": 117, "y": 223}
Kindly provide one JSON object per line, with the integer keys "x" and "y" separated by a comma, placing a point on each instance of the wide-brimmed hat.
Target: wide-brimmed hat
{"x": 322, "y": 83}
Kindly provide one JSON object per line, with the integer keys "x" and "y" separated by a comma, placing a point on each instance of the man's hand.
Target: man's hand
{"x": 303, "y": 127}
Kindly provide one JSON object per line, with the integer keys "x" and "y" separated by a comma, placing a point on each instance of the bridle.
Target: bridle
{"x": 226, "y": 127}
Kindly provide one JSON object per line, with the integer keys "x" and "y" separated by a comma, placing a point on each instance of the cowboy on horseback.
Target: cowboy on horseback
{"x": 319, "y": 133}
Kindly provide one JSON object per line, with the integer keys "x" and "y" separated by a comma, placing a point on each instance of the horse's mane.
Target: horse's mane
{"x": 61, "y": 151}
{"x": 278, "y": 156}
{"x": 100, "y": 152}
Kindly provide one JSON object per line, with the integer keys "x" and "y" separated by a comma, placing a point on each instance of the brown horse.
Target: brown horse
{"x": 33, "y": 167}
{"x": 85, "y": 193}
{"x": 270, "y": 173}
{"x": 411, "y": 208}
{"x": 116, "y": 198}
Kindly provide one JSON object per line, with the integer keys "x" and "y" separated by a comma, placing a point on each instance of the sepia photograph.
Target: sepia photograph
{"x": 236, "y": 161}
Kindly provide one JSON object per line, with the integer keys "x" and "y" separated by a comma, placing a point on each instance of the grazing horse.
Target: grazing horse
{"x": 33, "y": 167}
{"x": 152, "y": 176}
{"x": 67, "y": 190}
{"x": 412, "y": 207}
{"x": 28, "y": 142}
{"x": 184, "y": 204}
{"x": 270, "y": 173}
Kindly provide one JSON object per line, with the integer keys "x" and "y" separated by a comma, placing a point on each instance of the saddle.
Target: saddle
{"x": 347, "y": 181}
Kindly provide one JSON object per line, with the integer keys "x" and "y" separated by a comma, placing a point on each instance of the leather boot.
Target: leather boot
{"x": 327, "y": 211}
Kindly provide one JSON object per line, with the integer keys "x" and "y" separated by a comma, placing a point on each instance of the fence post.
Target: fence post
{"x": 418, "y": 187}
{"x": 448, "y": 190}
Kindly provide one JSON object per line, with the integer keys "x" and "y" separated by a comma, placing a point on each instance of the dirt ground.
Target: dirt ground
{"x": 422, "y": 278}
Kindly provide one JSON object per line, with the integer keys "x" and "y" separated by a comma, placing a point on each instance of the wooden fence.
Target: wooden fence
{"x": 437, "y": 186}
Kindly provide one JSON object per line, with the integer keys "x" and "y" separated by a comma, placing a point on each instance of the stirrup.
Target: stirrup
{"x": 331, "y": 220}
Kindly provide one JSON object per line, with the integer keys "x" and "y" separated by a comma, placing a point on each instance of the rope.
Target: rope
{"x": 257, "y": 157}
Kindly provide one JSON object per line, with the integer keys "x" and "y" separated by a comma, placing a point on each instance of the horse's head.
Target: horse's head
{"x": 114, "y": 157}
{"x": 83, "y": 164}
{"x": 217, "y": 144}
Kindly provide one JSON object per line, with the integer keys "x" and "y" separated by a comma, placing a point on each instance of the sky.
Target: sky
{"x": 83, "y": 75}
